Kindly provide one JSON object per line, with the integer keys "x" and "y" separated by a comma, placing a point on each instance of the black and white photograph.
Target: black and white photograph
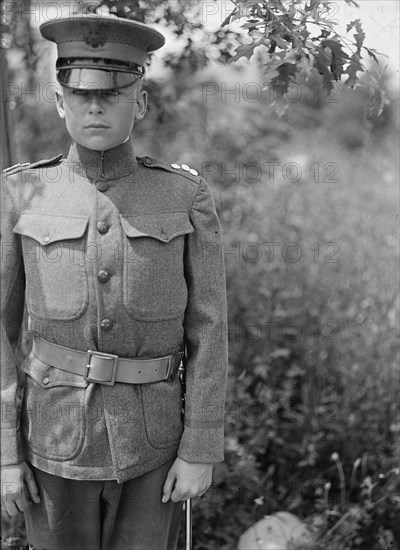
{"x": 200, "y": 275}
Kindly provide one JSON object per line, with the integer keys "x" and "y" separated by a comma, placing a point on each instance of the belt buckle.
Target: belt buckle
{"x": 110, "y": 356}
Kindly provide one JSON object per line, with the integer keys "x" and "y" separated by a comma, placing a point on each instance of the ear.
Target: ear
{"x": 141, "y": 105}
{"x": 60, "y": 103}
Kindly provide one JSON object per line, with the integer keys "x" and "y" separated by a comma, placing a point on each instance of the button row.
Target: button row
{"x": 106, "y": 325}
{"x": 102, "y": 186}
{"x": 103, "y": 276}
{"x": 102, "y": 227}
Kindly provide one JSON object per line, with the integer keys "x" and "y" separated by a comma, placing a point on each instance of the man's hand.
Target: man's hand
{"x": 186, "y": 480}
{"x": 18, "y": 488}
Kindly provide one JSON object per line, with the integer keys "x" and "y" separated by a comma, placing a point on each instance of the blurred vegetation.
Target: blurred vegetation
{"x": 306, "y": 188}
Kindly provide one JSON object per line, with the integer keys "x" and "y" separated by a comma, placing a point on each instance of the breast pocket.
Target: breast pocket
{"x": 54, "y": 258}
{"x": 154, "y": 280}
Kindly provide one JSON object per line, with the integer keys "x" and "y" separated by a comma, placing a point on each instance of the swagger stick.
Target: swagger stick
{"x": 188, "y": 510}
{"x": 188, "y": 502}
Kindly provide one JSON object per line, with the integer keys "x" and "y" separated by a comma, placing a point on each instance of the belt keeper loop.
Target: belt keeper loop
{"x": 170, "y": 375}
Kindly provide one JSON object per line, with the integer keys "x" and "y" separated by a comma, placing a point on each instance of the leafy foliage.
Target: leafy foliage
{"x": 295, "y": 400}
{"x": 128, "y": 9}
{"x": 284, "y": 28}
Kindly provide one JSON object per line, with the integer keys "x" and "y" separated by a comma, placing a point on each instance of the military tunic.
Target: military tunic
{"x": 121, "y": 255}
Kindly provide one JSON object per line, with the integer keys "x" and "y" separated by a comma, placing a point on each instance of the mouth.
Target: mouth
{"x": 97, "y": 126}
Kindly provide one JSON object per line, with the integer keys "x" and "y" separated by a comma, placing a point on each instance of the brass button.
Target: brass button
{"x": 46, "y": 380}
{"x": 176, "y": 166}
{"x": 106, "y": 325}
{"x": 46, "y": 239}
{"x": 103, "y": 276}
{"x": 164, "y": 235}
{"x": 102, "y": 227}
{"x": 102, "y": 186}
{"x": 185, "y": 167}
{"x": 193, "y": 172}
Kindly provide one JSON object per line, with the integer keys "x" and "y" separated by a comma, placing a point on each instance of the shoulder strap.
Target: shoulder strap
{"x": 28, "y": 165}
{"x": 182, "y": 170}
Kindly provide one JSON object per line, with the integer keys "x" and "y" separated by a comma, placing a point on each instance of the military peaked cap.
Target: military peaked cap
{"x": 100, "y": 51}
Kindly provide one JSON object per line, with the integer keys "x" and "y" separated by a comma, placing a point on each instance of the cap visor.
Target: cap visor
{"x": 95, "y": 79}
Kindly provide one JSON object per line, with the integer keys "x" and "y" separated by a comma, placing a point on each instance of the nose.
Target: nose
{"x": 95, "y": 105}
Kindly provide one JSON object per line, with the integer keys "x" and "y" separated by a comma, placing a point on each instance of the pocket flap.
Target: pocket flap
{"x": 49, "y": 377}
{"x": 47, "y": 229}
{"x": 163, "y": 226}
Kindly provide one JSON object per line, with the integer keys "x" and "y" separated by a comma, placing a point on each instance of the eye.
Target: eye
{"x": 82, "y": 95}
{"x": 111, "y": 93}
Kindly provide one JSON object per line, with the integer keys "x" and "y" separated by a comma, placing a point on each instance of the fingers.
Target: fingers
{"x": 183, "y": 491}
{"x": 186, "y": 480}
{"x": 23, "y": 503}
{"x": 16, "y": 498}
{"x": 31, "y": 486}
{"x": 18, "y": 488}
{"x": 176, "y": 490}
{"x": 11, "y": 508}
{"x": 179, "y": 494}
{"x": 168, "y": 485}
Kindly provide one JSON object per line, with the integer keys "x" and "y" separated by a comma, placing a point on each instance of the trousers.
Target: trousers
{"x": 103, "y": 515}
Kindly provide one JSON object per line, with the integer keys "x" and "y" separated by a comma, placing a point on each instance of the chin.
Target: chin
{"x": 99, "y": 145}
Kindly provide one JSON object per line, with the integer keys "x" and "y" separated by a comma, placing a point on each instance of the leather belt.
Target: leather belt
{"x": 106, "y": 368}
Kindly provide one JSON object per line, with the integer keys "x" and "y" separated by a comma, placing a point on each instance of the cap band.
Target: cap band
{"x": 98, "y": 63}
{"x": 123, "y": 52}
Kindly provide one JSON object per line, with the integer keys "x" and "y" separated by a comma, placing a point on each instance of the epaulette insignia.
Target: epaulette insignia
{"x": 186, "y": 168}
{"x": 25, "y": 165}
{"x": 183, "y": 169}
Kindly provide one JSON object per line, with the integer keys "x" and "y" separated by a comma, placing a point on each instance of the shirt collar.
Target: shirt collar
{"x": 103, "y": 165}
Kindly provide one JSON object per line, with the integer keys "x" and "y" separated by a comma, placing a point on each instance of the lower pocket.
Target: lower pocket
{"x": 162, "y": 406}
{"x": 53, "y": 420}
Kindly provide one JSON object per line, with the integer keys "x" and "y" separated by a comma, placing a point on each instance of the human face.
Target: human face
{"x": 101, "y": 119}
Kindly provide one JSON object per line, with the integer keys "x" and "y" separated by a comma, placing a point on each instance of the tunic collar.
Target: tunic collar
{"x": 103, "y": 165}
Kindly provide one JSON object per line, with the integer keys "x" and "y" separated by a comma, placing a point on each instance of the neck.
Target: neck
{"x": 111, "y": 164}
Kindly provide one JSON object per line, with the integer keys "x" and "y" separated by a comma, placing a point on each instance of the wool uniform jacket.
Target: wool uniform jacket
{"x": 121, "y": 255}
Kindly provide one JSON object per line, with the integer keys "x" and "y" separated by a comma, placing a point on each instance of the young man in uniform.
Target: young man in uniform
{"x": 119, "y": 260}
